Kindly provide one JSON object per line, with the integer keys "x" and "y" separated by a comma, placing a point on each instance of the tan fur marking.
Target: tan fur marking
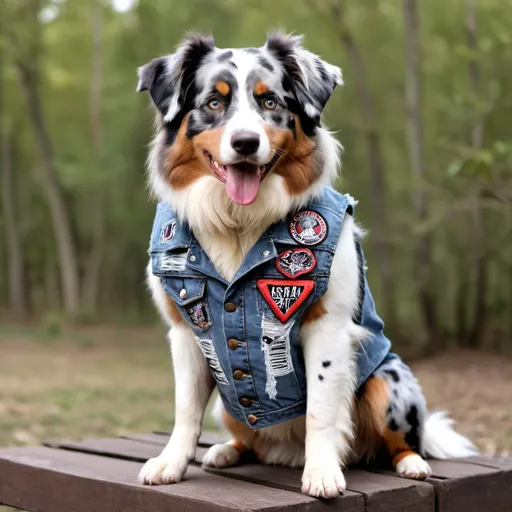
{"x": 240, "y": 431}
{"x": 370, "y": 417}
{"x": 314, "y": 312}
{"x": 395, "y": 442}
{"x": 298, "y": 165}
{"x": 172, "y": 310}
{"x": 238, "y": 445}
{"x": 184, "y": 162}
{"x": 397, "y": 458}
{"x": 222, "y": 88}
{"x": 260, "y": 88}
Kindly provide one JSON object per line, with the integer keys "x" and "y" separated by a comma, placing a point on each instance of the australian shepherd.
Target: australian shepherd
{"x": 240, "y": 146}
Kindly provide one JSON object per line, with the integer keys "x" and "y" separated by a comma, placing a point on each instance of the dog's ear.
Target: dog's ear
{"x": 312, "y": 79}
{"x": 169, "y": 80}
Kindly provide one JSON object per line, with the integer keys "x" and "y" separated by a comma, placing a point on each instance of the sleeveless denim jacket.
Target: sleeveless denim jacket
{"x": 248, "y": 329}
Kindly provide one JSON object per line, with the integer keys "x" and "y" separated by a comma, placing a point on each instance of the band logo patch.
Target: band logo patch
{"x": 308, "y": 228}
{"x": 199, "y": 314}
{"x": 168, "y": 231}
{"x": 296, "y": 262}
{"x": 285, "y": 297}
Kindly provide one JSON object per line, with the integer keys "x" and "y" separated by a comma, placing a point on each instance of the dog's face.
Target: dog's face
{"x": 239, "y": 115}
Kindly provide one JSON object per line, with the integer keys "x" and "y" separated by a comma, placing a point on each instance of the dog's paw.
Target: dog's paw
{"x": 221, "y": 456}
{"x": 163, "y": 470}
{"x": 413, "y": 466}
{"x": 326, "y": 481}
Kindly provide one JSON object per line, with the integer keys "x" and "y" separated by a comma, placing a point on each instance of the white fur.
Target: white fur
{"x": 193, "y": 386}
{"x": 440, "y": 441}
{"x": 413, "y": 466}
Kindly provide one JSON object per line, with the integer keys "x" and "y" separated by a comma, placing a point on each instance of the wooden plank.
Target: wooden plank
{"x": 118, "y": 447}
{"x": 501, "y": 463}
{"x": 462, "y": 486}
{"x": 381, "y": 493}
{"x": 48, "y": 480}
{"x": 207, "y": 438}
{"x": 157, "y": 439}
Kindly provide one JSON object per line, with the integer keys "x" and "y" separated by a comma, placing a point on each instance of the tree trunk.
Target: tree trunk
{"x": 380, "y": 231}
{"x": 420, "y": 201}
{"x": 15, "y": 253}
{"x": 95, "y": 257}
{"x": 54, "y": 195}
{"x": 480, "y": 235}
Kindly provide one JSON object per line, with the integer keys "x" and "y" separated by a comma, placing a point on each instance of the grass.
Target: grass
{"x": 112, "y": 381}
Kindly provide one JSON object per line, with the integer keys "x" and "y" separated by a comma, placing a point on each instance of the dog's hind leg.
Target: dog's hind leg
{"x": 391, "y": 413}
{"x": 230, "y": 453}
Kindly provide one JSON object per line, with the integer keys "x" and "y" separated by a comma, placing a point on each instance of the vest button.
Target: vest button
{"x": 183, "y": 294}
{"x": 230, "y": 307}
{"x": 233, "y": 344}
{"x": 252, "y": 419}
{"x": 245, "y": 401}
{"x": 238, "y": 374}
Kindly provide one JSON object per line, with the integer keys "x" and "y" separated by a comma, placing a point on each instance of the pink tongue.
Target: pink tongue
{"x": 242, "y": 183}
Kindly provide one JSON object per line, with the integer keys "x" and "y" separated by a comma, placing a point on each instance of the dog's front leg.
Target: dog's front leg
{"x": 193, "y": 387}
{"x": 329, "y": 336}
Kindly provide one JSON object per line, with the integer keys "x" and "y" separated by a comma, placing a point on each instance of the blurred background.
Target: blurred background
{"x": 425, "y": 122}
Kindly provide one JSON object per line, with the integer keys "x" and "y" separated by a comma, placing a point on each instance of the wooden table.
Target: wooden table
{"x": 99, "y": 475}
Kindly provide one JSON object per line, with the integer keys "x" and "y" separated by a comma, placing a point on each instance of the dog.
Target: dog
{"x": 257, "y": 267}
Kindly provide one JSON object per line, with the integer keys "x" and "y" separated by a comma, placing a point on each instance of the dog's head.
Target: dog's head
{"x": 247, "y": 120}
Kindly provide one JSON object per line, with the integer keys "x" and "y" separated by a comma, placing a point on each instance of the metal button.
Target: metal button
{"x": 245, "y": 401}
{"x": 266, "y": 253}
{"x": 192, "y": 258}
{"x": 230, "y": 307}
{"x": 252, "y": 419}
{"x": 238, "y": 374}
{"x": 183, "y": 294}
{"x": 233, "y": 343}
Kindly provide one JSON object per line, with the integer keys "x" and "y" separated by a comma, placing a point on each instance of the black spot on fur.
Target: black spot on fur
{"x": 277, "y": 118}
{"x": 320, "y": 377}
{"x": 291, "y": 126}
{"x": 326, "y": 364}
{"x": 232, "y": 64}
{"x": 393, "y": 425}
{"x": 285, "y": 82}
{"x": 254, "y": 51}
{"x": 394, "y": 375}
{"x": 390, "y": 410}
{"x": 225, "y": 56}
{"x": 307, "y": 124}
{"x": 264, "y": 63}
{"x": 395, "y": 393}
{"x": 412, "y": 437}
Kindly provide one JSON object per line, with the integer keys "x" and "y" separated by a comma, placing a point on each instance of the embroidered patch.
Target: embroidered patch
{"x": 285, "y": 297}
{"x": 308, "y": 227}
{"x": 208, "y": 350}
{"x": 199, "y": 314}
{"x": 275, "y": 344}
{"x": 296, "y": 262}
{"x": 168, "y": 231}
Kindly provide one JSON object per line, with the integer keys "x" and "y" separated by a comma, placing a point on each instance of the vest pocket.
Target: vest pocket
{"x": 188, "y": 293}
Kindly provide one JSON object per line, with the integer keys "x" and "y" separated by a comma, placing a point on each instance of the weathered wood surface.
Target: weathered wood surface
{"x": 100, "y": 475}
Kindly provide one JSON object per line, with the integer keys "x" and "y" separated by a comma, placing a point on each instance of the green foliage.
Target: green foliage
{"x": 460, "y": 178}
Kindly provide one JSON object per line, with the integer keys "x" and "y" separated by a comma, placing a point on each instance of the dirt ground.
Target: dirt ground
{"x": 110, "y": 381}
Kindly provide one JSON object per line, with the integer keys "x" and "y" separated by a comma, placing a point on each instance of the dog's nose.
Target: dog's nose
{"x": 245, "y": 142}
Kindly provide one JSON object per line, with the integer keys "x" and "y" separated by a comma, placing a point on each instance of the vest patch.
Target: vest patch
{"x": 296, "y": 262}
{"x": 275, "y": 344}
{"x": 285, "y": 297}
{"x": 208, "y": 350}
{"x": 199, "y": 314}
{"x": 168, "y": 231}
{"x": 308, "y": 228}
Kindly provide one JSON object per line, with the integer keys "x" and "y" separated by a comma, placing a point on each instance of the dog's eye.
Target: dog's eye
{"x": 214, "y": 104}
{"x": 270, "y": 103}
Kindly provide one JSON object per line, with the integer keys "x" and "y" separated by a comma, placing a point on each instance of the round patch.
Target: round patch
{"x": 308, "y": 228}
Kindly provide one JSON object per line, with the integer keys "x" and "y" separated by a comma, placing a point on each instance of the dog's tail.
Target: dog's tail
{"x": 440, "y": 441}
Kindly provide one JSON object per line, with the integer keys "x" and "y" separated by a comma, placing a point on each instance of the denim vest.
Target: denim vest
{"x": 248, "y": 329}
